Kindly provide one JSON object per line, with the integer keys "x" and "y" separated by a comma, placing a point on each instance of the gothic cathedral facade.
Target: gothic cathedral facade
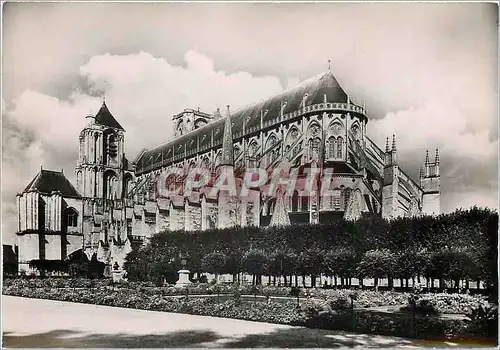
{"x": 118, "y": 205}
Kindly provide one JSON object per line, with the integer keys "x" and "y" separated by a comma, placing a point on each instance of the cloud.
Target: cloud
{"x": 468, "y": 159}
{"x": 142, "y": 91}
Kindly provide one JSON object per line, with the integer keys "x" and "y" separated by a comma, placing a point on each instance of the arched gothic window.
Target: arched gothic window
{"x": 305, "y": 203}
{"x": 347, "y": 196}
{"x": 355, "y": 131}
{"x": 109, "y": 185}
{"x": 71, "y": 218}
{"x": 335, "y": 199}
{"x": 340, "y": 147}
{"x": 79, "y": 180}
{"x": 295, "y": 201}
{"x": 332, "y": 144}
{"x": 94, "y": 151}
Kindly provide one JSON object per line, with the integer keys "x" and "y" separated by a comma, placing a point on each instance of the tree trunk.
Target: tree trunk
{"x": 376, "y": 284}
{"x": 313, "y": 281}
{"x": 304, "y": 281}
{"x": 335, "y": 281}
{"x": 253, "y": 280}
{"x": 296, "y": 281}
{"x": 401, "y": 284}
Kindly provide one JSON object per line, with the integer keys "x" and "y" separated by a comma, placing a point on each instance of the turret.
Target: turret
{"x": 90, "y": 120}
{"x": 391, "y": 181}
{"x": 430, "y": 182}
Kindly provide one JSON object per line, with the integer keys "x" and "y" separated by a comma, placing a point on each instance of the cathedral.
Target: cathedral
{"x": 118, "y": 204}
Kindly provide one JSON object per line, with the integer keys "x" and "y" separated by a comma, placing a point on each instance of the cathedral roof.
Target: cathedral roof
{"x": 104, "y": 117}
{"x": 317, "y": 90}
{"x": 47, "y": 181}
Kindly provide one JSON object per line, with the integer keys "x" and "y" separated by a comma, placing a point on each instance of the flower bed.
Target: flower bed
{"x": 453, "y": 303}
{"x": 441, "y": 303}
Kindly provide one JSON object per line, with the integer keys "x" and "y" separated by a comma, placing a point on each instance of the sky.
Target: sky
{"x": 427, "y": 72}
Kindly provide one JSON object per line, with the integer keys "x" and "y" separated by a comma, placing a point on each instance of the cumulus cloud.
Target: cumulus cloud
{"x": 142, "y": 92}
{"x": 468, "y": 158}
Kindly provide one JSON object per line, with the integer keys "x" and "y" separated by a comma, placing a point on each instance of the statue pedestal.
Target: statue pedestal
{"x": 117, "y": 275}
{"x": 183, "y": 278}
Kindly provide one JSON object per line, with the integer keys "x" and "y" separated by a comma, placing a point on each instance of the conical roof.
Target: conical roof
{"x": 47, "y": 181}
{"x": 104, "y": 117}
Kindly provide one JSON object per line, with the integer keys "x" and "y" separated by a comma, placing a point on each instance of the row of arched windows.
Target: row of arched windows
{"x": 338, "y": 201}
{"x": 335, "y": 147}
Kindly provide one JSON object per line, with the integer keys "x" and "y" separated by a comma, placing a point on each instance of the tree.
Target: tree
{"x": 310, "y": 263}
{"x": 377, "y": 264}
{"x": 412, "y": 262}
{"x": 214, "y": 262}
{"x": 454, "y": 264}
{"x": 254, "y": 262}
{"x": 340, "y": 262}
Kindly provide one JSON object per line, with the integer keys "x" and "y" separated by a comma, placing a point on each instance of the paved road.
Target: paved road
{"x": 46, "y": 323}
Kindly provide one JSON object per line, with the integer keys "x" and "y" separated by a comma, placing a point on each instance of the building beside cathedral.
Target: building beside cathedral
{"x": 118, "y": 205}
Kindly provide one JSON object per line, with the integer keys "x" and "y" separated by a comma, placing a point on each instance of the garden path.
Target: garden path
{"x": 32, "y": 323}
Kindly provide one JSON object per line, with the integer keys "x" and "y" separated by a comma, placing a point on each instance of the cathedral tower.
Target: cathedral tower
{"x": 189, "y": 120}
{"x": 390, "y": 203}
{"x": 430, "y": 181}
{"x": 100, "y": 157}
{"x": 103, "y": 178}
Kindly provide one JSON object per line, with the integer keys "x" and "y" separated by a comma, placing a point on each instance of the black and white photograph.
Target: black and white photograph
{"x": 250, "y": 174}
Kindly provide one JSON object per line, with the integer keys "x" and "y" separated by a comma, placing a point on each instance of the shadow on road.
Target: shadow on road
{"x": 284, "y": 338}
{"x": 72, "y": 339}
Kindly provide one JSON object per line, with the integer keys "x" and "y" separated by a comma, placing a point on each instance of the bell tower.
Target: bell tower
{"x": 101, "y": 156}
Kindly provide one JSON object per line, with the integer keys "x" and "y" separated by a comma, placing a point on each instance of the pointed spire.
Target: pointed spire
{"x": 280, "y": 216}
{"x": 387, "y": 149}
{"x": 436, "y": 160}
{"x": 329, "y": 63}
{"x": 393, "y": 143}
{"x": 421, "y": 171}
{"x": 427, "y": 158}
{"x": 227, "y": 142}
